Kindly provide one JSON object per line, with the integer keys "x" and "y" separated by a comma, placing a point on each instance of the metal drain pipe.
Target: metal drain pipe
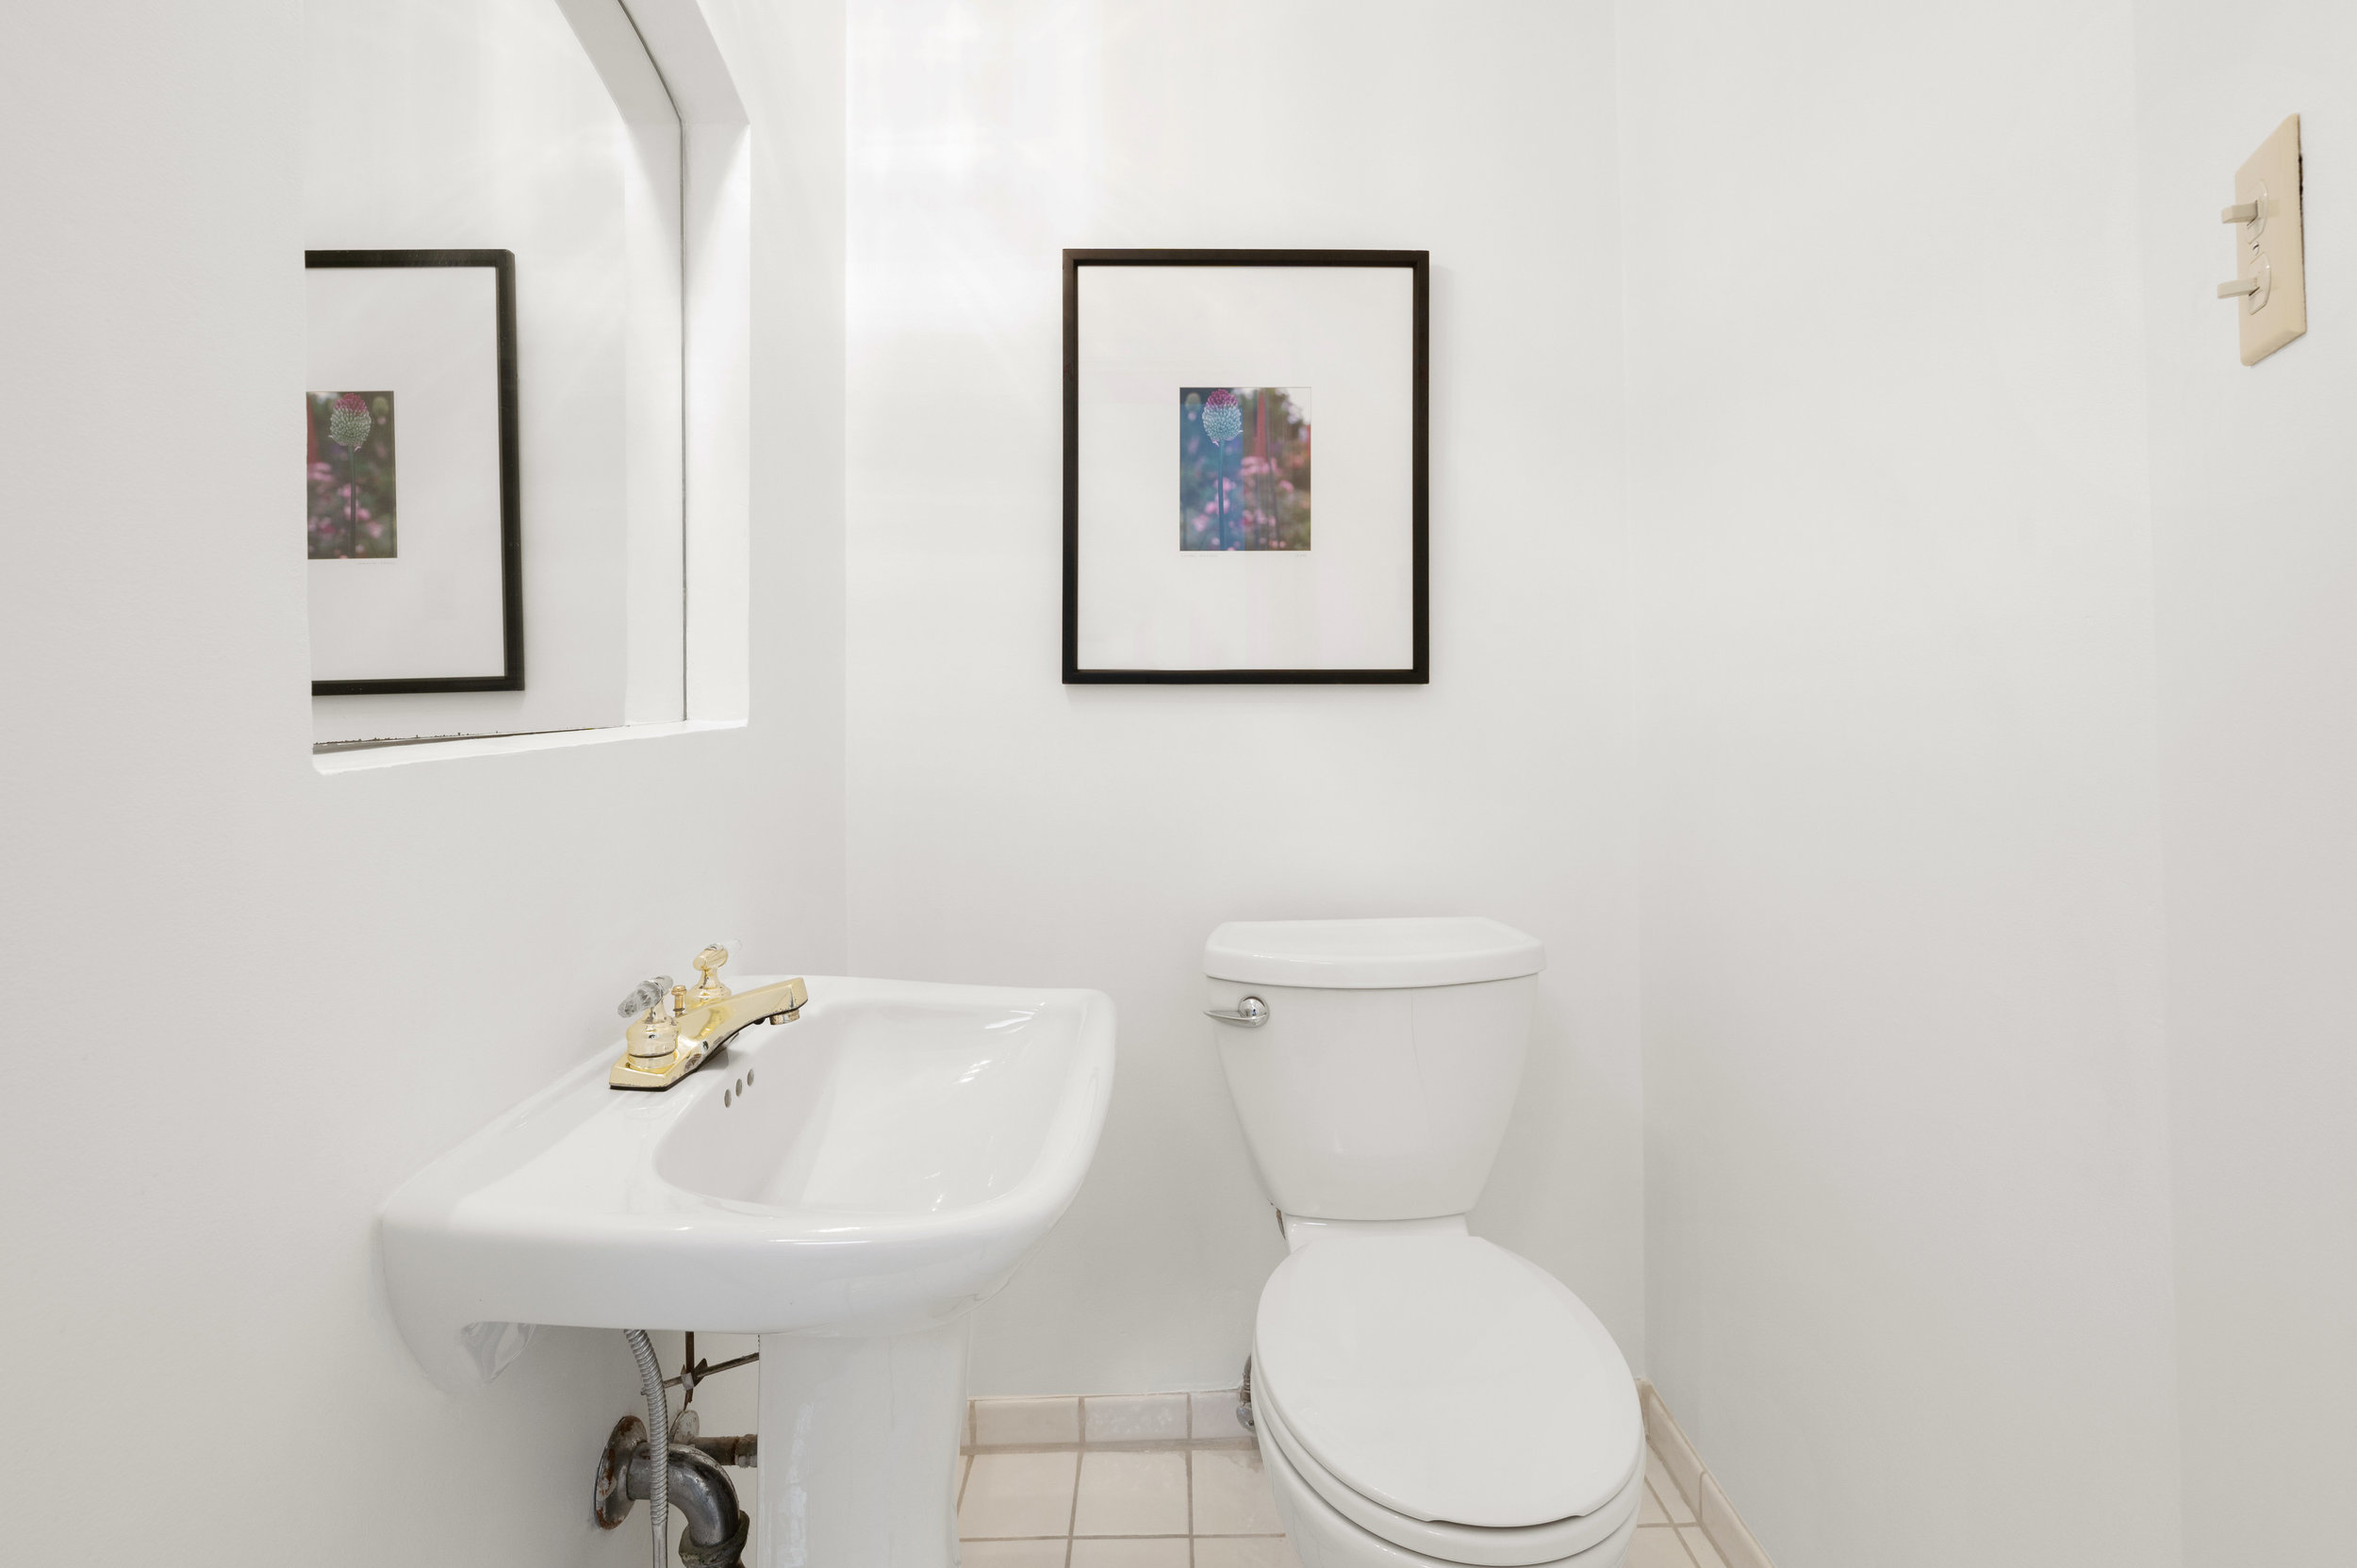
{"x": 699, "y": 1488}
{"x": 696, "y": 1480}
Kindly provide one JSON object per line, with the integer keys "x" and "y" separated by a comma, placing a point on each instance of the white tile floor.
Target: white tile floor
{"x": 1154, "y": 1480}
{"x": 1170, "y": 1480}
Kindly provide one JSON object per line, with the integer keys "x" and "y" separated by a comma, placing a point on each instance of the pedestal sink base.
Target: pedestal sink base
{"x": 847, "y": 1187}
{"x": 858, "y": 1449}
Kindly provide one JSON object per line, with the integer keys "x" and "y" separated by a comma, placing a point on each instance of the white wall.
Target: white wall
{"x": 1916, "y": 1263}
{"x": 1908, "y": 1203}
{"x": 253, "y": 999}
{"x": 2254, "y": 482}
{"x": 1005, "y": 827}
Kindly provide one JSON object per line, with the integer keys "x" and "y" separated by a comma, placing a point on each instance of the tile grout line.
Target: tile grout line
{"x": 1188, "y": 1455}
{"x": 965, "y": 1475}
{"x": 1686, "y": 1554}
{"x": 1072, "y": 1523}
{"x": 1079, "y": 1458}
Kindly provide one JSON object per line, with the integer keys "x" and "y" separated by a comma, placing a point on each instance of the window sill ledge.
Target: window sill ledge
{"x": 400, "y": 754}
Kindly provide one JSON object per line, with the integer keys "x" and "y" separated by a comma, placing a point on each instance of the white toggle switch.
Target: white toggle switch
{"x": 2269, "y": 262}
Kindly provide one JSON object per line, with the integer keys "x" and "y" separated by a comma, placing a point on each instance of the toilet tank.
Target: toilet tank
{"x": 1381, "y": 1081}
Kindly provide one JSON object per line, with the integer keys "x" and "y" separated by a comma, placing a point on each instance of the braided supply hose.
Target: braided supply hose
{"x": 658, "y": 1440}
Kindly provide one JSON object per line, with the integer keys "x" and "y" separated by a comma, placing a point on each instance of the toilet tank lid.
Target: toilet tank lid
{"x": 1367, "y": 955}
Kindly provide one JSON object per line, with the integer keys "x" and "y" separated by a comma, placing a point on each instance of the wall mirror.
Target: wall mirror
{"x": 440, "y": 136}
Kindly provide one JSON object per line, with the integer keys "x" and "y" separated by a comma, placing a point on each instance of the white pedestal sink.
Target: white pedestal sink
{"x": 847, "y": 1187}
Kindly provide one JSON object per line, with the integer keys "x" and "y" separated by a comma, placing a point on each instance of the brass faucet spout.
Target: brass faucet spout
{"x": 719, "y": 1021}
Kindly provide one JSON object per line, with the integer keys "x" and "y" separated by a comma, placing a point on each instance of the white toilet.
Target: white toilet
{"x": 1420, "y": 1396}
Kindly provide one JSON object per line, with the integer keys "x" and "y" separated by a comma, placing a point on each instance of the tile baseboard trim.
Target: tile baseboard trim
{"x": 1191, "y": 1419}
{"x": 1721, "y": 1523}
{"x": 1141, "y": 1445}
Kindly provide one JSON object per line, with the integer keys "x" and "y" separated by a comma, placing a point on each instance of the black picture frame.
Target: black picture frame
{"x": 1419, "y": 264}
{"x": 511, "y": 675}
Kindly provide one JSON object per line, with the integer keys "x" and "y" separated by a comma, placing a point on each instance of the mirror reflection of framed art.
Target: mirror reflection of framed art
{"x": 1244, "y": 459}
{"x": 412, "y": 522}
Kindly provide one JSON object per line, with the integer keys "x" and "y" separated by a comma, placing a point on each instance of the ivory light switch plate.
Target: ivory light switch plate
{"x": 2269, "y": 249}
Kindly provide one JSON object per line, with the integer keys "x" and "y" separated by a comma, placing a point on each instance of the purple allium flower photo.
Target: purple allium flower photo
{"x": 1222, "y": 414}
{"x": 349, "y": 477}
{"x": 348, "y": 421}
{"x": 1244, "y": 468}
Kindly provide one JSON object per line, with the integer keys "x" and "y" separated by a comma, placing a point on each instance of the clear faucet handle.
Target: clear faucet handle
{"x": 648, "y": 993}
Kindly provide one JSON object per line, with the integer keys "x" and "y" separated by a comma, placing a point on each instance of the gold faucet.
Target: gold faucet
{"x": 663, "y": 1047}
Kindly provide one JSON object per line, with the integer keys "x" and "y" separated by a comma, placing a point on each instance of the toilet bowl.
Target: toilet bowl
{"x": 1420, "y": 1396}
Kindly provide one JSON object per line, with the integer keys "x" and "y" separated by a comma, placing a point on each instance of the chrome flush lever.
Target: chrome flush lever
{"x": 1251, "y": 1012}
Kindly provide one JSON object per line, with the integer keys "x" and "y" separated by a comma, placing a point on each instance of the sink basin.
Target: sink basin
{"x": 848, "y": 1187}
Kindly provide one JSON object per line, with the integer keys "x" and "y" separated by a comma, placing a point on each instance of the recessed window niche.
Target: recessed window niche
{"x": 526, "y": 387}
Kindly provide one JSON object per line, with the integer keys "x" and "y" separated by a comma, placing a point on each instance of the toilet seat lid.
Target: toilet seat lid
{"x": 1446, "y": 1379}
